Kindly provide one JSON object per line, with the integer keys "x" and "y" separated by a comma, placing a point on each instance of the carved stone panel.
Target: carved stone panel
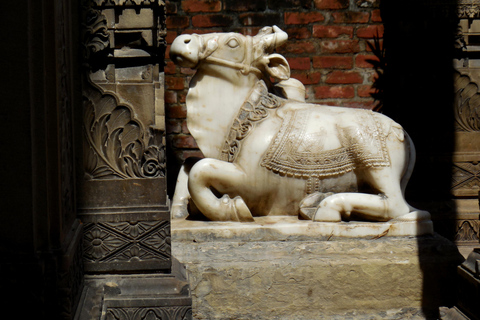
{"x": 465, "y": 185}
{"x": 116, "y": 246}
{"x": 122, "y": 199}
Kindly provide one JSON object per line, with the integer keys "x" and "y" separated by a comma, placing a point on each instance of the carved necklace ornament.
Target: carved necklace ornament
{"x": 255, "y": 109}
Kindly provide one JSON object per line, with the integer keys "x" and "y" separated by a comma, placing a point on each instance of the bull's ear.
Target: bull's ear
{"x": 277, "y": 66}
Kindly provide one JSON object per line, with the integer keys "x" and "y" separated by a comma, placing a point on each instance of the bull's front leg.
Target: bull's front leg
{"x": 224, "y": 177}
{"x": 182, "y": 196}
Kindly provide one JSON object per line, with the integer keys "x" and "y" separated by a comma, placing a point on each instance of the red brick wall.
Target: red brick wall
{"x": 327, "y": 49}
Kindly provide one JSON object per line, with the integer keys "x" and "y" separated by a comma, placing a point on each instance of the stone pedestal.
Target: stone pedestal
{"x": 264, "y": 270}
{"x": 129, "y": 296}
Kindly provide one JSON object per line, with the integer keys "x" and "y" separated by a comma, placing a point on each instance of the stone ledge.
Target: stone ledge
{"x": 291, "y": 228}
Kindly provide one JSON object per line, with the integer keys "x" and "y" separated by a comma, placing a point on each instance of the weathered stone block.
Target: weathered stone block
{"x": 260, "y": 271}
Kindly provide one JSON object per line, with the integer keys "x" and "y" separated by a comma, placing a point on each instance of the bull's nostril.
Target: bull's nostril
{"x": 186, "y": 41}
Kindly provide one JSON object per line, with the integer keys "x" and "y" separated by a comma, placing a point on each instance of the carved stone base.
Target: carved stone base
{"x": 128, "y": 297}
{"x": 264, "y": 272}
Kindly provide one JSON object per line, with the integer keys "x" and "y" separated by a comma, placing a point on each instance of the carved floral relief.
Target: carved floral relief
{"x": 124, "y": 241}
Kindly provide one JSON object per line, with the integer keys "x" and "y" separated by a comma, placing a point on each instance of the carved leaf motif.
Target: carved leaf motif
{"x": 116, "y": 140}
{"x": 96, "y": 35}
{"x": 467, "y": 103}
{"x": 131, "y": 133}
{"x": 118, "y": 119}
{"x": 113, "y": 150}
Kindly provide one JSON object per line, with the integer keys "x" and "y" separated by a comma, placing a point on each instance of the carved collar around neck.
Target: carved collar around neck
{"x": 255, "y": 109}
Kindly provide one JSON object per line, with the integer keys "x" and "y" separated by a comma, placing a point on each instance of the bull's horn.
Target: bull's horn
{"x": 273, "y": 37}
{"x": 281, "y": 36}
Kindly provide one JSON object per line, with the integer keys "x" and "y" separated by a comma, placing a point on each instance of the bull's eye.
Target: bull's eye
{"x": 233, "y": 43}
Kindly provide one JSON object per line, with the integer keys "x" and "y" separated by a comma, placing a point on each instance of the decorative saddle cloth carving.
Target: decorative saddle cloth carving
{"x": 317, "y": 141}
{"x": 304, "y": 149}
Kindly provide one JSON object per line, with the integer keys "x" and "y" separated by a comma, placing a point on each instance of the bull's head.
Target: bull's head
{"x": 244, "y": 53}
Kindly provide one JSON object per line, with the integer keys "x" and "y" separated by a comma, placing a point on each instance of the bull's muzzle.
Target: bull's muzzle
{"x": 185, "y": 50}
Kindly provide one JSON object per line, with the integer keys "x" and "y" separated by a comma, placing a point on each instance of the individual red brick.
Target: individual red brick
{"x": 298, "y": 33}
{"x": 334, "y": 92}
{"x": 332, "y": 31}
{"x": 174, "y": 126}
{"x": 185, "y": 127}
{"x": 169, "y": 68}
{"x": 198, "y": 31}
{"x": 167, "y": 52}
{"x": 184, "y": 141}
{"x": 362, "y": 61}
{"x": 182, "y": 97}
{"x": 245, "y": 5}
{"x": 299, "y": 47}
{"x": 248, "y": 31}
{"x": 340, "y": 46}
{"x": 366, "y": 104}
{"x": 187, "y": 71}
{"x": 288, "y": 4}
{"x": 170, "y": 8}
{"x": 177, "y": 22}
{"x": 365, "y": 91}
{"x": 170, "y": 96}
{"x": 176, "y": 111}
{"x": 174, "y": 83}
{"x": 299, "y": 63}
{"x": 261, "y": 19}
{"x": 344, "y": 77}
{"x": 370, "y": 32}
{"x": 376, "y": 16}
{"x": 336, "y": 62}
{"x": 332, "y": 4}
{"x": 307, "y": 77}
{"x": 192, "y": 153}
{"x": 211, "y": 20}
{"x": 171, "y": 35}
{"x": 303, "y": 17}
{"x": 350, "y": 17}
{"x": 201, "y": 6}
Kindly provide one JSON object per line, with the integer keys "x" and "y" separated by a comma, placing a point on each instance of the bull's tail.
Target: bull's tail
{"x": 410, "y": 164}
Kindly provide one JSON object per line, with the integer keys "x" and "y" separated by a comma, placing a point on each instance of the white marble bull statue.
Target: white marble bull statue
{"x": 270, "y": 153}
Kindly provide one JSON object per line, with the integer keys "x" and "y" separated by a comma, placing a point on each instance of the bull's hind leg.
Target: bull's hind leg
{"x": 208, "y": 175}
{"x": 372, "y": 207}
{"x": 388, "y": 204}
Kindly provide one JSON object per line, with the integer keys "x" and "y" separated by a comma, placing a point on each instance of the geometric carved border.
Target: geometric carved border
{"x": 466, "y": 178}
{"x": 151, "y": 313}
{"x": 131, "y": 243}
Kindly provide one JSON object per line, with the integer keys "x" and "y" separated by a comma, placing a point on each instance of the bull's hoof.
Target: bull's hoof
{"x": 235, "y": 209}
{"x": 242, "y": 211}
{"x": 326, "y": 214}
{"x": 179, "y": 210}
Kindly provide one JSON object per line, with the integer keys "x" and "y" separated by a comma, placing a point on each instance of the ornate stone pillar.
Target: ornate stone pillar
{"x": 466, "y": 170}
{"x": 123, "y": 201}
{"x": 466, "y": 156}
